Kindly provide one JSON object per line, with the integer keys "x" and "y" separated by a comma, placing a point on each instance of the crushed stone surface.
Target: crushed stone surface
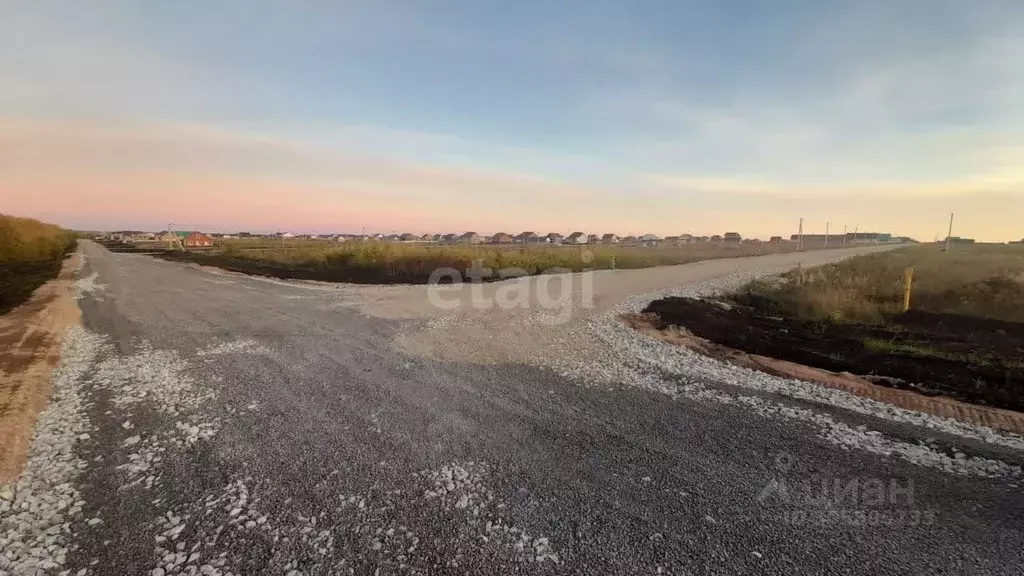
{"x": 209, "y": 423}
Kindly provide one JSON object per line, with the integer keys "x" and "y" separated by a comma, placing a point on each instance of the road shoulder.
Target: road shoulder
{"x": 30, "y": 344}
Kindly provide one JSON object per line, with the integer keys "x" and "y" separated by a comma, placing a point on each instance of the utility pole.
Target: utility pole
{"x": 844, "y": 235}
{"x": 949, "y": 234}
{"x": 800, "y": 236}
{"x": 855, "y": 229}
{"x": 173, "y": 241}
{"x": 826, "y": 235}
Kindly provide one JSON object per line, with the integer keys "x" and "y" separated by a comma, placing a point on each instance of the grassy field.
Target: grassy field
{"x": 31, "y": 253}
{"x": 962, "y": 337}
{"x": 983, "y": 281}
{"x": 383, "y": 262}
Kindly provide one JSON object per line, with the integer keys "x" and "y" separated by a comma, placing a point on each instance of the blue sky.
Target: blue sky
{"x": 643, "y": 115}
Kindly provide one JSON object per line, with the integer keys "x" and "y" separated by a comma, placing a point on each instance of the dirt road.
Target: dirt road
{"x": 213, "y": 423}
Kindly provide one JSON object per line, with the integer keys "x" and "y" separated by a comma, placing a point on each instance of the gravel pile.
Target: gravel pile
{"x": 37, "y": 513}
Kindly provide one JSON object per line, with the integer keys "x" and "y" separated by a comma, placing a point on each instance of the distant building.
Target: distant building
{"x": 775, "y": 239}
{"x": 716, "y": 238}
{"x": 197, "y": 240}
{"x": 470, "y": 238}
{"x": 501, "y": 238}
{"x": 959, "y": 240}
{"x": 868, "y": 238}
{"x": 407, "y": 237}
{"x": 450, "y": 238}
{"x": 650, "y": 240}
{"x": 576, "y": 238}
{"x": 628, "y": 240}
{"x": 554, "y": 238}
{"x": 528, "y": 237}
{"x": 847, "y": 239}
{"x": 732, "y": 237}
{"x": 593, "y": 239}
{"x": 816, "y": 238}
{"x": 610, "y": 239}
{"x": 427, "y": 238}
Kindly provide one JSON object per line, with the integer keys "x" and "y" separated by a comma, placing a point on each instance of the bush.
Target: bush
{"x": 29, "y": 240}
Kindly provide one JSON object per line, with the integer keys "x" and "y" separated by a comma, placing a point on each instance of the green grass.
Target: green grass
{"x": 922, "y": 351}
{"x": 906, "y": 349}
{"x": 984, "y": 281}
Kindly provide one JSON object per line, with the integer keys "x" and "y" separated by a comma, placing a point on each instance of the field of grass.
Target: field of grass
{"x": 982, "y": 281}
{"x": 962, "y": 337}
{"x": 31, "y": 253}
{"x": 383, "y": 262}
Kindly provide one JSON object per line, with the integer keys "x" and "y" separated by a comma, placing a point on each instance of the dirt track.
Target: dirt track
{"x": 30, "y": 341}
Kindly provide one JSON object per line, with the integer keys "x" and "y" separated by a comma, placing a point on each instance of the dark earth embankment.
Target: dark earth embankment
{"x": 18, "y": 280}
{"x": 980, "y": 361}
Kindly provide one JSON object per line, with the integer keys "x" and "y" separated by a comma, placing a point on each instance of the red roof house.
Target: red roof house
{"x": 198, "y": 240}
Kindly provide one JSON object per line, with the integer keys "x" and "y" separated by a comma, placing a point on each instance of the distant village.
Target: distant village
{"x": 197, "y": 239}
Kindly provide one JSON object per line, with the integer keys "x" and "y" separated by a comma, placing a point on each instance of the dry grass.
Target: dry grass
{"x": 27, "y": 240}
{"x": 30, "y": 254}
{"x": 413, "y": 259}
{"x": 977, "y": 280}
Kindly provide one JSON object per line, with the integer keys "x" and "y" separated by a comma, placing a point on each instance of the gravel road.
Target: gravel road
{"x": 211, "y": 423}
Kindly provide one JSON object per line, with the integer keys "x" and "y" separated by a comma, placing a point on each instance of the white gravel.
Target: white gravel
{"x": 463, "y": 486}
{"x": 159, "y": 377}
{"x": 234, "y": 347}
{"x": 594, "y": 348}
{"x": 88, "y": 285}
{"x": 188, "y": 535}
{"x": 36, "y": 516}
{"x": 632, "y": 358}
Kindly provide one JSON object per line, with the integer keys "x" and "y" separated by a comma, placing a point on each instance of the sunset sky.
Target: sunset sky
{"x": 668, "y": 116}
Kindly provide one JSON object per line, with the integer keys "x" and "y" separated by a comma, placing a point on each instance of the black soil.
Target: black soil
{"x": 19, "y": 280}
{"x": 975, "y": 360}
